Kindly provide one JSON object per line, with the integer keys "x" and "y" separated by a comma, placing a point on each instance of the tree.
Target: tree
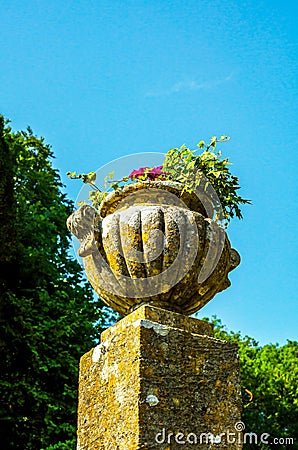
{"x": 47, "y": 309}
{"x": 269, "y": 388}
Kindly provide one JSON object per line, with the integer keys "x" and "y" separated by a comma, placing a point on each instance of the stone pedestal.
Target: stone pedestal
{"x": 159, "y": 380}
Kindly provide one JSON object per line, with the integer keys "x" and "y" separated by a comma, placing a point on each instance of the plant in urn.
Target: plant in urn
{"x": 159, "y": 236}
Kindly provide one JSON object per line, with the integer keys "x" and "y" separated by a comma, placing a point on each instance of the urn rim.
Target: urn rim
{"x": 191, "y": 201}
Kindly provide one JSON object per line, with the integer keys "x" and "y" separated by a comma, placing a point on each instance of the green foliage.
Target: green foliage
{"x": 67, "y": 445}
{"x": 96, "y": 196}
{"x": 269, "y": 387}
{"x": 47, "y": 309}
{"x": 197, "y": 171}
{"x": 194, "y": 171}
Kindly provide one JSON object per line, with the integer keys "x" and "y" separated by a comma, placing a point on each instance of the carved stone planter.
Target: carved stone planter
{"x": 150, "y": 243}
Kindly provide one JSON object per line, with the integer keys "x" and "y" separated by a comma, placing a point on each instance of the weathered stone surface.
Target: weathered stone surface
{"x": 151, "y": 242}
{"x": 155, "y": 373}
{"x": 137, "y": 194}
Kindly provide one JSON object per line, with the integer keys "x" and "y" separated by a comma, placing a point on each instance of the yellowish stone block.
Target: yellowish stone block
{"x": 159, "y": 380}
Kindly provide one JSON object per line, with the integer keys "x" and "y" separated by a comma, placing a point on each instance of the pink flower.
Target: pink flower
{"x": 137, "y": 173}
{"x": 151, "y": 173}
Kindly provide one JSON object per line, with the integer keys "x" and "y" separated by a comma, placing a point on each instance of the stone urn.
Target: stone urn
{"x": 152, "y": 243}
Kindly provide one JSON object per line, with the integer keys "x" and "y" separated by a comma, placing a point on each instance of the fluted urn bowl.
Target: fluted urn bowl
{"x": 152, "y": 243}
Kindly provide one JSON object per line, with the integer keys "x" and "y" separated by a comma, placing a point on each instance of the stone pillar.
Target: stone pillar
{"x": 159, "y": 380}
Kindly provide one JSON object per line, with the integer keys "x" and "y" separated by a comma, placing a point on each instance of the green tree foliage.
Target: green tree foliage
{"x": 269, "y": 388}
{"x": 47, "y": 309}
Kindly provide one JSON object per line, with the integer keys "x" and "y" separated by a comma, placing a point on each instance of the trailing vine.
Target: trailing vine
{"x": 193, "y": 170}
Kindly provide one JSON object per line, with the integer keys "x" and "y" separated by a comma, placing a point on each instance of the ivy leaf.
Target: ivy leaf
{"x": 91, "y": 177}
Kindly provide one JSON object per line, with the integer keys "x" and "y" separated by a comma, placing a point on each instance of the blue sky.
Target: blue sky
{"x": 101, "y": 80}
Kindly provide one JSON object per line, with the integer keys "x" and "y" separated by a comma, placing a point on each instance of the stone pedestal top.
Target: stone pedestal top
{"x": 162, "y": 318}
